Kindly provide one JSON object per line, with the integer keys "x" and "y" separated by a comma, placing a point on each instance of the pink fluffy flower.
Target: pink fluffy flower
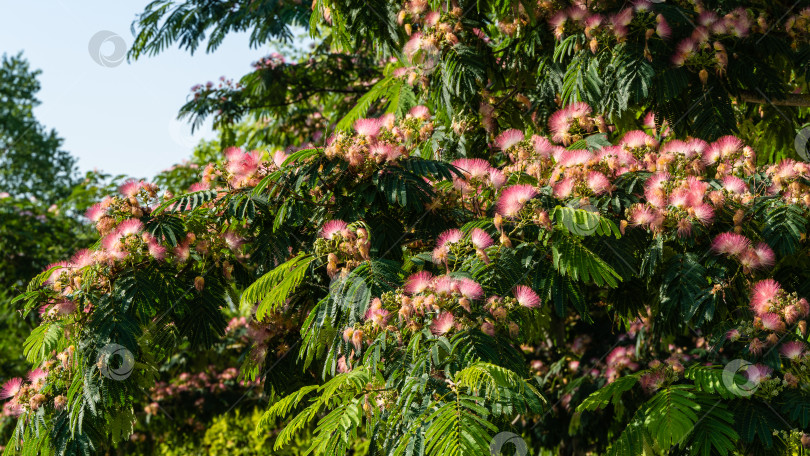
{"x": 641, "y": 215}
{"x": 722, "y": 148}
{"x": 37, "y": 376}
{"x": 96, "y": 211}
{"x": 451, "y": 236}
{"x": 526, "y": 297}
{"x": 156, "y": 250}
{"x": 473, "y": 168}
{"x": 470, "y": 289}
{"x": 508, "y": 139}
{"x": 734, "y": 184}
{"x": 757, "y": 373}
{"x": 765, "y": 256}
{"x": 130, "y": 188}
{"x": 597, "y": 182}
{"x": 418, "y": 282}
{"x": 730, "y": 244}
{"x": 82, "y": 258}
{"x": 772, "y": 322}
{"x": 496, "y": 177}
{"x": 563, "y": 188}
{"x": 367, "y": 127}
{"x": 480, "y": 238}
{"x": 332, "y": 227}
{"x": 11, "y": 388}
{"x": 514, "y": 198}
{"x": 129, "y": 227}
{"x": 574, "y": 157}
{"x": 636, "y": 139}
{"x": 765, "y": 293}
{"x": 442, "y": 324}
{"x": 420, "y": 112}
{"x": 792, "y": 350}
{"x": 703, "y": 213}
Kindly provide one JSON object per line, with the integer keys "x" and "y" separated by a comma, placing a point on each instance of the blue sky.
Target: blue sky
{"x": 117, "y": 119}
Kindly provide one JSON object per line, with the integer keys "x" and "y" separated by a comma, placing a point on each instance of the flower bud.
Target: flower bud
{"x": 199, "y": 283}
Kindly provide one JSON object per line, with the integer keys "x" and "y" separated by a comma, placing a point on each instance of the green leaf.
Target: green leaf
{"x": 273, "y": 288}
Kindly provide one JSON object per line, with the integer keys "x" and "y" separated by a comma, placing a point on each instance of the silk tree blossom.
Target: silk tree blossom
{"x": 734, "y": 184}
{"x": 367, "y": 127}
{"x": 11, "y": 388}
{"x": 451, "y": 236}
{"x": 526, "y": 297}
{"x": 470, "y": 289}
{"x": 792, "y": 350}
{"x": 567, "y": 122}
{"x": 480, "y": 239}
{"x": 730, "y": 244}
{"x": 418, "y": 282}
{"x": 419, "y": 112}
{"x": 508, "y": 139}
{"x": 638, "y": 139}
{"x": 765, "y": 295}
{"x": 514, "y": 198}
{"x": 332, "y": 228}
{"x": 37, "y": 377}
{"x": 757, "y": 373}
{"x": 442, "y": 324}
{"x": 772, "y": 322}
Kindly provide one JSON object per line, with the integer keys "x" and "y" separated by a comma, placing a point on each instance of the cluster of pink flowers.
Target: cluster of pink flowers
{"x": 271, "y": 61}
{"x": 31, "y": 395}
{"x": 196, "y": 385}
{"x": 478, "y": 240}
{"x": 429, "y": 33}
{"x": 345, "y": 246}
{"x": 380, "y": 140}
{"x": 444, "y": 304}
{"x": 774, "y": 308}
{"x": 600, "y": 28}
{"x": 788, "y": 179}
{"x": 711, "y": 26}
{"x": 477, "y": 176}
{"x": 739, "y": 247}
{"x": 775, "y": 312}
{"x": 199, "y": 90}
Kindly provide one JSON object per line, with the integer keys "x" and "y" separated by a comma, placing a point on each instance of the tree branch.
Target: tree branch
{"x": 790, "y": 99}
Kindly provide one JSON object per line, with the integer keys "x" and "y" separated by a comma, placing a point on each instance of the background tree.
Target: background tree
{"x": 31, "y": 158}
